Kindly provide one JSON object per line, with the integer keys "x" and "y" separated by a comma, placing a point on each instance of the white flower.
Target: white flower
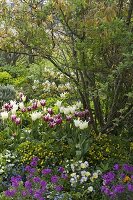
{"x": 77, "y": 122}
{"x": 4, "y": 115}
{"x": 45, "y": 110}
{"x": 67, "y": 110}
{"x": 83, "y": 125}
{"x": 61, "y": 109}
{"x": 73, "y": 175}
{"x": 95, "y": 175}
{"x": 1, "y": 171}
{"x": 83, "y": 179}
{"x": 72, "y": 167}
{"x": 36, "y": 115}
{"x": 90, "y": 189}
{"x": 23, "y": 98}
{"x": 21, "y": 105}
{"x": 72, "y": 109}
{"x": 63, "y": 95}
{"x": 13, "y": 111}
{"x": 73, "y": 180}
{"x": 99, "y": 172}
{"x": 79, "y": 104}
{"x": 36, "y": 81}
{"x": 58, "y": 104}
{"x": 15, "y": 107}
{"x": 88, "y": 173}
{"x": 84, "y": 165}
{"x": 87, "y": 164}
{"x": 83, "y": 173}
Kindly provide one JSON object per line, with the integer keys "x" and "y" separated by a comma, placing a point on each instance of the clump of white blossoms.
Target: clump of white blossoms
{"x": 6, "y": 160}
{"x": 82, "y": 177}
{"x": 81, "y": 124}
{"x": 36, "y": 115}
{"x": 4, "y": 115}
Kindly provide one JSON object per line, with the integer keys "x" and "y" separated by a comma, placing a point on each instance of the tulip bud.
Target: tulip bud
{"x": 17, "y": 121}
{"x": 42, "y": 102}
{"x": 13, "y": 117}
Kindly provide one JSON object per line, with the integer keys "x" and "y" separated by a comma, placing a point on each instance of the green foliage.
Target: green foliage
{"x": 7, "y": 93}
{"x": 108, "y": 149}
{"x": 5, "y": 77}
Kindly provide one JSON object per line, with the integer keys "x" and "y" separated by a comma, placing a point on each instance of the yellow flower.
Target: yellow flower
{"x": 126, "y": 179}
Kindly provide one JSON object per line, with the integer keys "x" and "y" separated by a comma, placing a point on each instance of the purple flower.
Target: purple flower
{"x": 50, "y": 111}
{"x": 38, "y": 194}
{"x": 105, "y": 190}
{"x": 61, "y": 169}
{"x": 43, "y": 183}
{"x": 15, "y": 184}
{"x": 46, "y": 171}
{"x": 58, "y": 121}
{"x": 17, "y": 121}
{"x": 116, "y": 167}
{"x": 35, "y": 159}
{"x": 10, "y": 193}
{"x": 42, "y": 102}
{"x": 16, "y": 178}
{"x": 130, "y": 187}
{"x": 128, "y": 168}
{"x": 54, "y": 179}
{"x": 28, "y": 184}
{"x": 13, "y": 117}
{"x": 32, "y": 170}
{"x": 33, "y": 163}
{"x": 24, "y": 193}
{"x": 122, "y": 175}
{"x": 30, "y": 191}
{"x": 34, "y": 105}
{"x": 58, "y": 188}
{"x": 36, "y": 179}
{"x": 41, "y": 198}
{"x": 29, "y": 108}
{"x": 118, "y": 188}
{"x": 68, "y": 118}
{"x": 52, "y": 124}
{"x": 108, "y": 177}
{"x": 64, "y": 176}
{"x": 28, "y": 168}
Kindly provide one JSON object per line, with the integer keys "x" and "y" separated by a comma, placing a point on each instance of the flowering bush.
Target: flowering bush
{"x": 84, "y": 180}
{"x": 107, "y": 148}
{"x": 118, "y": 183}
{"x": 45, "y": 184}
{"x": 34, "y": 120}
{"x": 48, "y": 152}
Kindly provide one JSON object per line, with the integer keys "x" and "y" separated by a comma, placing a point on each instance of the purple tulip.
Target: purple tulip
{"x": 17, "y": 121}
{"x": 42, "y": 102}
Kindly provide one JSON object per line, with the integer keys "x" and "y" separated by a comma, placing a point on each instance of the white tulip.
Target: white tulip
{"x": 58, "y": 104}
{"x": 4, "y": 115}
{"x": 21, "y": 105}
{"x": 23, "y": 98}
{"x": 90, "y": 189}
{"x": 72, "y": 109}
{"x": 79, "y": 104}
{"x": 83, "y": 125}
{"x": 36, "y": 115}
{"x": 77, "y": 122}
{"x": 67, "y": 110}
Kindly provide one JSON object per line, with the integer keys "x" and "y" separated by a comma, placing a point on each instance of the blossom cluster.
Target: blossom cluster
{"x": 82, "y": 176}
{"x": 39, "y": 185}
{"x": 36, "y": 109}
{"x": 6, "y": 160}
{"x": 118, "y": 182}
